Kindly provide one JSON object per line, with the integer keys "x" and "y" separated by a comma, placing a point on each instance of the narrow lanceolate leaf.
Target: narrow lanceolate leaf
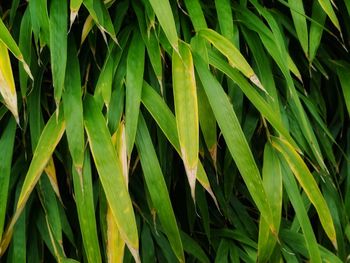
{"x": 167, "y": 123}
{"x": 74, "y": 9}
{"x": 343, "y": 71}
{"x": 100, "y": 15}
{"x": 186, "y": 110}
{"x": 104, "y": 83}
{"x": 152, "y": 44}
{"x": 73, "y": 109}
{"x": 134, "y": 81}
{"x": 50, "y": 171}
{"x": 58, "y": 45}
{"x": 25, "y": 44}
{"x": 115, "y": 243}
{"x": 272, "y": 181}
{"x": 8, "y": 41}
{"x": 165, "y": 16}
{"x": 86, "y": 211}
{"x": 157, "y": 188}
{"x": 40, "y": 21}
{"x": 295, "y": 198}
{"x": 88, "y": 24}
{"x": 299, "y": 19}
{"x": 327, "y": 7}
{"x": 225, "y": 18}
{"x": 48, "y": 141}
{"x": 308, "y": 183}
{"x": 235, "y": 139}
{"x": 207, "y": 122}
{"x": 6, "y": 145}
{"x": 196, "y": 14}
{"x": 7, "y": 83}
{"x": 110, "y": 174}
{"x": 316, "y": 28}
{"x": 192, "y": 247}
{"x": 119, "y": 142}
{"x": 233, "y": 55}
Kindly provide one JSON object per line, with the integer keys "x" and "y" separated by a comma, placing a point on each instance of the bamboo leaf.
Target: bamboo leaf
{"x": 157, "y": 188}
{"x": 272, "y": 181}
{"x": 134, "y": 79}
{"x": 9, "y": 42}
{"x": 6, "y": 145}
{"x": 58, "y": 45}
{"x": 100, "y": 15}
{"x": 25, "y": 44}
{"x": 186, "y": 111}
{"x": 233, "y": 134}
{"x": 235, "y": 57}
{"x": 298, "y": 205}
{"x": 40, "y": 21}
{"x": 344, "y": 78}
{"x": 196, "y": 14}
{"x": 86, "y": 211}
{"x": 166, "y": 121}
{"x": 327, "y": 7}
{"x": 298, "y": 15}
{"x": 110, "y": 174}
{"x": 74, "y": 9}
{"x": 73, "y": 109}
{"x": 162, "y": 9}
{"x": 7, "y": 83}
{"x": 309, "y": 185}
{"x": 115, "y": 243}
{"x": 225, "y": 19}
{"x": 316, "y": 28}
{"x": 48, "y": 141}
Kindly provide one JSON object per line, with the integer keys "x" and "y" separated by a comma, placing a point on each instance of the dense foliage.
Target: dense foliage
{"x": 163, "y": 130}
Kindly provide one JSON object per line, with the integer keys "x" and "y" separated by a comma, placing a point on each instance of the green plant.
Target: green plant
{"x": 160, "y": 130}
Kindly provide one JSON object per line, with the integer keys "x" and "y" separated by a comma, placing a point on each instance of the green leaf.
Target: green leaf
{"x": 73, "y": 109}
{"x": 327, "y": 7}
{"x": 110, "y": 174}
{"x": 196, "y": 14}
{"x": 166, "y": 121}
{"x": 157, "y": 188}
{"x": 9, "y": 42}
{"x": 299, "y": 19}
{"x": 134, "y": 81}
{"x": 48, "y": 141}
{"x": 58, "y": 45}
{"x": 295, "y": 198}
{"x": 100, "y": 15}
{"x": 234, "y": 136}
{"x": 162, "y": 9}
{"x": 86, "y": 211}
{"x": 6, "y": 145}
{"x": 234, "y": 56}
{"x": 193, "y": 248}
{"x": 272, "y": 181}
{"x": 344, "y": 78}
{"x": 74, "y": 9}
{"x": 25, "y": 44}
{"x": 316, "y": 28}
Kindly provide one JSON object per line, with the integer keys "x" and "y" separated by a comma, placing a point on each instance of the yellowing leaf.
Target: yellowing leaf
{"x": 233, "y": 55}
{"x": 186, "y": 111}
{"x": 7, "y": 83}
{"x": 50, "y": 170}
